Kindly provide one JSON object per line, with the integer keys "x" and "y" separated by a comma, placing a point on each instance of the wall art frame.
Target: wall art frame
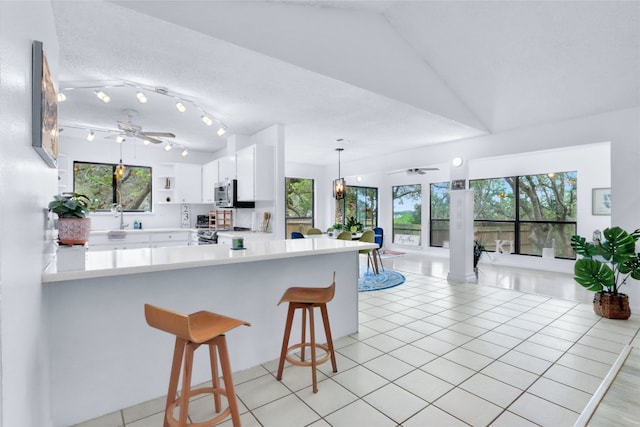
{"x": 44, "y": 107}
{"x": 458, "y": 184}
{"x": 601, "y": 201}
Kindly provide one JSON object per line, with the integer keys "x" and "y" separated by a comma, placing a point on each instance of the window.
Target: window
{"x": 530, "y": 212}
{"x": 407, "y": 214}
{"x": 97, "y": 181}
{"x": 362, "y": 204}
{"x": 439, "y": 227}
{"x": 299, "y": 209}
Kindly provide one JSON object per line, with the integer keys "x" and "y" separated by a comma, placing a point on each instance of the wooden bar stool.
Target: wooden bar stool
{"x": 307, "y": 299}
{"x": 192, "y": 331}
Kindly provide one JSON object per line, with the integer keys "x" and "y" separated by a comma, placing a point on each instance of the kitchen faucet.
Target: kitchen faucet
{"x": 118, "y": 208}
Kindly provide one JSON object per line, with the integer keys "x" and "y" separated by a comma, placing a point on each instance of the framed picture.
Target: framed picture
{"x": 458, "y": 184}
{"x": 601, "y": 201}
{"x": 44, "y": 107}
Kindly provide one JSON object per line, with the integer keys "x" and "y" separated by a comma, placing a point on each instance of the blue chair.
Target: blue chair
{"x": 297, "y": 235}
{"x": 379, "y": 237}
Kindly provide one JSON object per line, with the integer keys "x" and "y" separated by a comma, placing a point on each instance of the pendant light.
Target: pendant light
{"x": 339, "y": 185}
{"x": 119, "y": 173}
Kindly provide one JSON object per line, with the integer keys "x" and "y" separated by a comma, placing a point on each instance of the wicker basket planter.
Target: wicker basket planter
{"x": 611, "y": 306}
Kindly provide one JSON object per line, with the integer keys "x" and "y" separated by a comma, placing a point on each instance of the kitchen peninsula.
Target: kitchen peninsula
{"x": 105, "y": 357}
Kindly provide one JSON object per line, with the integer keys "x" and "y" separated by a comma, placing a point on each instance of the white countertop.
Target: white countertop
{"x": 133, "y": 261}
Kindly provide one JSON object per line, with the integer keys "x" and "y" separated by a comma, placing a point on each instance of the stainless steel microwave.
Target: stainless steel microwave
{"x": 226, "y": 196}
{"x": 223, "y": 194}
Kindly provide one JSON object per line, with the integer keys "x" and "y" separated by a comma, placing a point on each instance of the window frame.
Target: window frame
{"x": 287, "y": 218}
{"x": 114, "y": 183}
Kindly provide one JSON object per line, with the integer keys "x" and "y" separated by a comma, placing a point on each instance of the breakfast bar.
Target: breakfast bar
{"x": 103, "y": 354}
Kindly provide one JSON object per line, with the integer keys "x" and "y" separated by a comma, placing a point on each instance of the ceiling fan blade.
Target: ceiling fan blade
{"x": 114, "y": 135}
{"x": 128, "y": 127}
{"x": 146, "y": 137}
{"x": 162, "y": 134}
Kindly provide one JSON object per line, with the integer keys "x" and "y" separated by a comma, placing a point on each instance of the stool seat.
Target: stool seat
{"x": 308, "y": 295}
{"x": 197, "y": 327}
{"x": 306, "y": 299}
{"x": 191, "y": 331}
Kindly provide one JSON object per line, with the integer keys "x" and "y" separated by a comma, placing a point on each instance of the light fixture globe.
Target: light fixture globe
{"x": 457, "y": 161}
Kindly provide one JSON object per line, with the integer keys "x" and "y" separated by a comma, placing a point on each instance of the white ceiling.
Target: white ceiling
{"x": 385, "y": 76}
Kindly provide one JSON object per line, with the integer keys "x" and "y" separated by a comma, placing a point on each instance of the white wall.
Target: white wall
{"x": 26, "y": 186}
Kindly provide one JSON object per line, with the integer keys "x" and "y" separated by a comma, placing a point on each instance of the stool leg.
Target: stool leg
{"x": 327, "y": 332}
{"x": 304, "y": 333}
{"x": 221, "y": 342}
{"x": 176, "y": 365}
{"x": 285, "y": 341}
{"x": 312, "y": 335}
{"x": 186, "y": 383}
{"x": 215, "y": 378}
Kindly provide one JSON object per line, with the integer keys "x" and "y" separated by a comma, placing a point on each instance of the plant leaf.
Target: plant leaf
{"x": 582, "y": 247}
{"x": 594, "y": 275}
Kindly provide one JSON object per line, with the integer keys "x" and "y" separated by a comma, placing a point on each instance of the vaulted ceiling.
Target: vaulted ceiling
{"x": 384, "y": 76}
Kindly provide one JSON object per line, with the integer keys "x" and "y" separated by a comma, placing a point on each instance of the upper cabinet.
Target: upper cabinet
{"x": 226, "y": 168}
{"x": 188, "y": 183}
{"x": 255, "y": 173}
{"x": 209, "y": 179}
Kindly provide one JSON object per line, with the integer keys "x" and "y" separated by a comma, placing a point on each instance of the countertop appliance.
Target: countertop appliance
{"x": 225, "y": 195}
{"x": 202, "y": 221}
{"x": 207, "y": 237}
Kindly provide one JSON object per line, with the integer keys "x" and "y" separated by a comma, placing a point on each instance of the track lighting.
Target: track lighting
{"x": 91, "y": 136}
{"x": 141, "y": 97}
{"x": 207, "y": 120}
{"x": 182, "y": 104}
{"x": 120, "y": 139}
{"x": 102, "y": 96}
{"x": 146, "y": 141}
{"x": 184, "y": 152}
{"x": 168, "y": 147}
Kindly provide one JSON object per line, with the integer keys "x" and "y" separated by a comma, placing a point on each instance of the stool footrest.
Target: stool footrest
{"x": 207, "y": 423}
{"x": 298, "y": 362}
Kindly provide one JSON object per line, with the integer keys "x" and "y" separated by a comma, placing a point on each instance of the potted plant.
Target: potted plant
{"x": 73, "y": 224}
{"x": 605, "y": 267}
{"x": 478, "y": 248}
{"x": 353, "y": 225}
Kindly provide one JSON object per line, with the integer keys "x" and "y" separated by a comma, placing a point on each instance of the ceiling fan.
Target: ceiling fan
{"x": 415, "y": 171}
{"x": 135, "y": 131}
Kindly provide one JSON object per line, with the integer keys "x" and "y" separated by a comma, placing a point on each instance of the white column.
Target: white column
{"x": 461, "y": 237}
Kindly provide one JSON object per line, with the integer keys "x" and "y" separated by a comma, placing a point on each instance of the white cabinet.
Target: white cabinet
{"x": 227, "y": 168}
{"x": 100, "y": 241}
{"x": 255, "y": 172}
{"x": 188, "y": 183}
{"x": 209, "y": 179}
{"x": 176, "y": 238}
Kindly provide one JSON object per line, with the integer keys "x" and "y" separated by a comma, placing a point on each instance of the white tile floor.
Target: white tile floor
{"x": 434, "y": 353}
